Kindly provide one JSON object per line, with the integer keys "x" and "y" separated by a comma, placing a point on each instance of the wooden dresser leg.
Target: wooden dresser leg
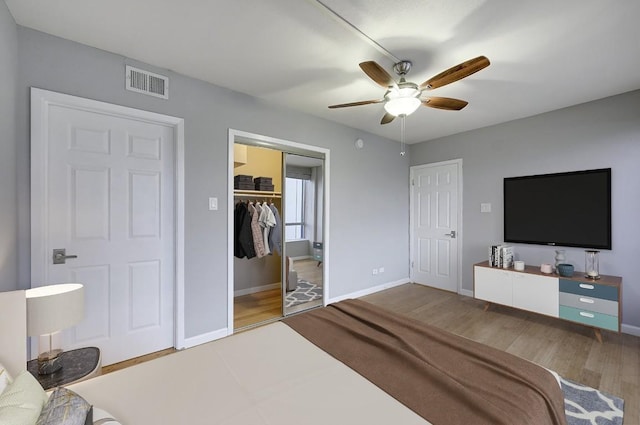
{"x": 487, "y": 305}
{"x": 598, "y": 334}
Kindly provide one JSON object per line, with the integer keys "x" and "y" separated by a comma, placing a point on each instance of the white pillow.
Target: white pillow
{"x": 5, "y": 378}
{"x": 22, "y": 401}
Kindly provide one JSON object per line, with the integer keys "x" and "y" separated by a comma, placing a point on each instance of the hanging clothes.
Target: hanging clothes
{"x": 275, "y": 236}
{"x": 238, "y": 215}
{"x": 262, "y": 221}
{"x": 267, "y": 222}
{"x": 256, "y": 231}
{"x": 243, "y": 241}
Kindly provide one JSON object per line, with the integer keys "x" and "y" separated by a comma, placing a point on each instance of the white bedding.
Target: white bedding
{"x": 269, "y": 375}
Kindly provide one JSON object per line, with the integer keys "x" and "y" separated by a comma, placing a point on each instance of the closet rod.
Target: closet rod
{"x": 256, "y": 193}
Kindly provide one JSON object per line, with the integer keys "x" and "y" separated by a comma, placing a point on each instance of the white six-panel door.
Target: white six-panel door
{"x": 434, "y": 225}
{"x": 109, "y": 199}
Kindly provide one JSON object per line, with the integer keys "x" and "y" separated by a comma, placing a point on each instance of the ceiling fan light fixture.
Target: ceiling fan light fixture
{"x": 402, "y": 106}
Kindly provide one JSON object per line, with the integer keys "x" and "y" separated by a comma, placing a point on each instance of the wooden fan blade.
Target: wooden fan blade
{"x": 387, "y": 118}
{"x": 362, "y": 102}
{"x": 456, "y": 73}
{"x": 377, "y": 74}
{"x": 446, "y": 103}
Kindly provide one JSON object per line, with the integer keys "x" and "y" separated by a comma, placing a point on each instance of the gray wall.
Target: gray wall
{"x": 301, "y": 248}
{"x": 369, "y": 190}
{"x": 8, "y": 195}
{"x": 251, "y": 273}
{"x": 600, "y": 134}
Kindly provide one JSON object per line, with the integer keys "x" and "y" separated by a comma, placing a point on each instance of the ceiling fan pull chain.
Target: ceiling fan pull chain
{"x": 402, "y": 145}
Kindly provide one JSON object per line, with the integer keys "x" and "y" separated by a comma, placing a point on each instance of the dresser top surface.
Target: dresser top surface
{"x": 578, "y": 276}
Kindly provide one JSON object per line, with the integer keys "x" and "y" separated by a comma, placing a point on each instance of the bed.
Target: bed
{"x": 355, "y": 364}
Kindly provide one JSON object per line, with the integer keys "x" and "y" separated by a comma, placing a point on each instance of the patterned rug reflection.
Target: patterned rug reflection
{"x": 304, "y": 292}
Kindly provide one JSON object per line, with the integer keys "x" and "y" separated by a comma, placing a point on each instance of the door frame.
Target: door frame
{"x": 412, "y": 218}
{"x": 41, "y": 100}
{"x": 253, "y": 139}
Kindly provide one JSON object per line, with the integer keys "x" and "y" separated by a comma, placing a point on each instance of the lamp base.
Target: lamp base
{"x": 49, "y": 362}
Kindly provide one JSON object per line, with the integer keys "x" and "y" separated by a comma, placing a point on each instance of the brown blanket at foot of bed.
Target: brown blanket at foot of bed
{"x": 446, "y": 379}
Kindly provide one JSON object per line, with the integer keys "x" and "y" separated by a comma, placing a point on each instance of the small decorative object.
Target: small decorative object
{"x": 565, "y": 270}
{"x": 560, "y": 258}
{"x": 518, "y": 265}
{"x": 546, "y": 268}
{"x": 591, "y": 267}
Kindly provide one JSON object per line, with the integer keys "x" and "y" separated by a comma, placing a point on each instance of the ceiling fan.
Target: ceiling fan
{"x": 402, "y": 98}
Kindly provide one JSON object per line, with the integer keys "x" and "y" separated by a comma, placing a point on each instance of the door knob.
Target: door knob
{"x": 60, "y": 256}
{"x": 452, "y": 234}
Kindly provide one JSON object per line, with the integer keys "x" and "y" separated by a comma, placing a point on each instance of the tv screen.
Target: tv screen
{"x": 565, "y": 209}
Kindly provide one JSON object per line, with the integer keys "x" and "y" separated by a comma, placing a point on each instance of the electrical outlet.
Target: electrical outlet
{"x": 485, "y": 207}
{"x": 374, "y": 271}
{"x": 381, "y": 270}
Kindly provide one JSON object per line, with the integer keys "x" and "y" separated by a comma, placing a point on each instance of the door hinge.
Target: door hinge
{"x": 412, "y": 264}
{"x": 413, "y": 182}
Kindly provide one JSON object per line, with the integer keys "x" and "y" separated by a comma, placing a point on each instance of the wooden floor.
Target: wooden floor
{"x": 137, "y": 360}
{"x": 266, "y": 306}
{"x": 309, "y": 271}
{"x": 257, "y": 308}
{"x": 569, "y": 349}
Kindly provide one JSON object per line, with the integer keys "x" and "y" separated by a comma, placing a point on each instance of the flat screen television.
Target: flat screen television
{"x": 570, "y": 209}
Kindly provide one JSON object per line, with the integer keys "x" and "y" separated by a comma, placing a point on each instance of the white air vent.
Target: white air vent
{"x": 141, "y": 81}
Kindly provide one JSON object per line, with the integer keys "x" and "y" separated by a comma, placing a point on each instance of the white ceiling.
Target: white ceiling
{"x": 545, "y": 54}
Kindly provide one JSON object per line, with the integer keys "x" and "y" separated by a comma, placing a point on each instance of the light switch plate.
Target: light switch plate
{"x": 485, "y": 207}
{"x": 213, "y": 204}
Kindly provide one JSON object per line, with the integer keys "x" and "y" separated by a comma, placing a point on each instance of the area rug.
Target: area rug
{"x": 587, "y": 406}
{"x": 304, "y": 292}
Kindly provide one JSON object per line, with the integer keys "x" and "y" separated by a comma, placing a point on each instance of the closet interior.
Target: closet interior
{"x": 277, "y": 227}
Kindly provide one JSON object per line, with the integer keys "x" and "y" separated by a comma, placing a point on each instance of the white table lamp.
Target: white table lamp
{"x": 51, "y": 309}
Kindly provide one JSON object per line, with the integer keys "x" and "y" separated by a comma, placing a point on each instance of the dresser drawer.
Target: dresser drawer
{"x": 592, "y": 290}
{"x": 591, "y": 318}
{"x": 584, "y": 302}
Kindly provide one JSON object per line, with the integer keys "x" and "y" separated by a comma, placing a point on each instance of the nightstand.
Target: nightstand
{"x": 77, "y": 365}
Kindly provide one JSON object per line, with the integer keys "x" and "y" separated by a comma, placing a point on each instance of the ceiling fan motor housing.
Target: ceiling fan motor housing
{"x": 402, "y": 68}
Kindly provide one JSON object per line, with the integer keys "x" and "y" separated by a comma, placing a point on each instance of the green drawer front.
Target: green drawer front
{"x": 589, "y": 289}
{"x": 598, "y": 320}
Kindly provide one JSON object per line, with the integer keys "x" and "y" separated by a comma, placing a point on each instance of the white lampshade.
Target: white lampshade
{"x": 402, "y": 101}
{"x": 53, "y": 308}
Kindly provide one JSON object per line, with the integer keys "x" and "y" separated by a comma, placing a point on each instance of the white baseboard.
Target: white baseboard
{"x": 302, "y": 257}
{"x": 255, "y": 289}
{"x": 201, "y": 339}
{"x": 631, "y": 330}
{"x": 467, "y": 292}
{"x": 369, "y": 291}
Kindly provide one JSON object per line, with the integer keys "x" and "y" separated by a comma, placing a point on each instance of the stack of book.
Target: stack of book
{"x": 501, "y": 255}
{"x": 263, "y": 183}
{"x": 243, "y": 182}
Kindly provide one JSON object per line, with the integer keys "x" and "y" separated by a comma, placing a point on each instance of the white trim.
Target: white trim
{"x": 272, "y": 142}
{"x": 256, "y": 289}
{"x": 370, "y": 291}
{"x": 179, "y": 303}
{"x": 466, "y": 292}
{"x": 460, "y": 232}
{"x": 204, "y": 338}
{"x": 630, "y": 329}
{"x": 302, "y": 257}
{"x": 41, "y": 100}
